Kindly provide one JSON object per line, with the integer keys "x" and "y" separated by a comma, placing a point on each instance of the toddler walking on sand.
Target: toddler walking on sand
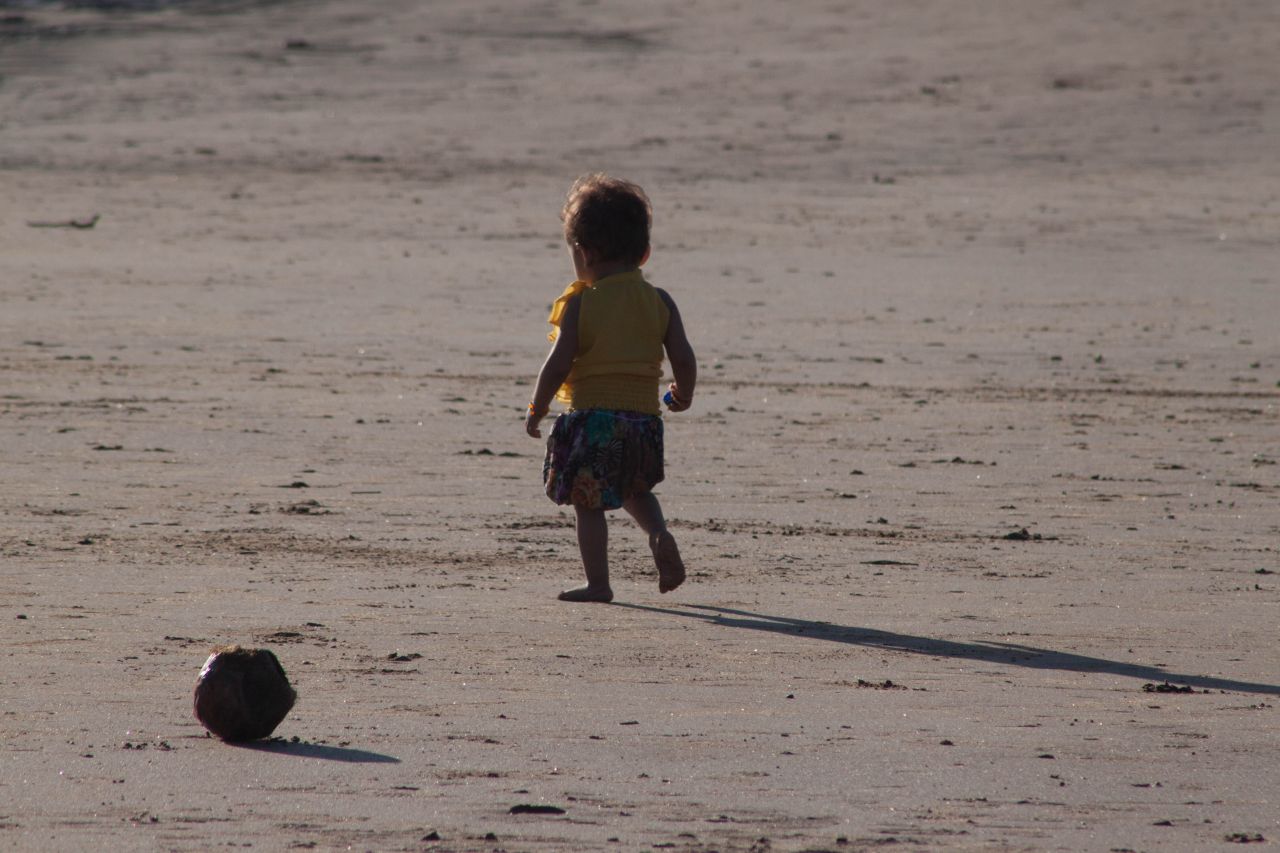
{"x": 605, "y": 365}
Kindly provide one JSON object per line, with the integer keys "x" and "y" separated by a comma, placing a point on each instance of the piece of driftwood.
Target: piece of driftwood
{"x": 82, "y": 222}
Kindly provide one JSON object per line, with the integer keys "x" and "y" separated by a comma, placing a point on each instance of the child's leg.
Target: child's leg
{"x": 593, "y": 542}
{"x": 647, "y": 512}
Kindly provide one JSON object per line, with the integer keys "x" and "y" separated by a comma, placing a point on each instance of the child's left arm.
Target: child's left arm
{"x": 684, "y": 364}
{"x": 555, "y": 369}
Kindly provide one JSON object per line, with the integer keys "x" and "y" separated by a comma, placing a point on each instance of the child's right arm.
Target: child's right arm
{"x": 555, "y": 369}
{"x": 684, "y": 364}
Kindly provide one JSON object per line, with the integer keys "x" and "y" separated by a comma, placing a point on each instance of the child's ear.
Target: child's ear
{"x": 643, "y": 258}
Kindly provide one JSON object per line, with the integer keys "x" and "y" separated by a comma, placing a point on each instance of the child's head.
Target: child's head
{"x": 609, "y": 219}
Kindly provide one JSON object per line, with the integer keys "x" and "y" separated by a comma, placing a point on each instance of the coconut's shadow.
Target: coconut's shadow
{"x": 302, "y": 749}
{"x": 990, "y": 652}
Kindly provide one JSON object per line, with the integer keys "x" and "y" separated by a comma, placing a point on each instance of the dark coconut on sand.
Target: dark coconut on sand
{"x": 242, "y": 694}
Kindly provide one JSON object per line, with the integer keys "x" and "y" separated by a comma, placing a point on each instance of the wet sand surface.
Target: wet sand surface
{"x": 979, "y": 495}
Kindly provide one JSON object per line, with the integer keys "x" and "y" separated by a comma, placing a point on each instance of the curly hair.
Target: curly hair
{"x": 609, "y": 217}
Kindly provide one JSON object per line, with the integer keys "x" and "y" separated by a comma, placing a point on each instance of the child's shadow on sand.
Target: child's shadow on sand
{"x": 302, "y": 749}
{"x": 990, "y": 652}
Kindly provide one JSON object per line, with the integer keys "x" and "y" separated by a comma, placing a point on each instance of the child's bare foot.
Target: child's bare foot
{"x": 667, "y": 557}
{"x": 596, "y": 594}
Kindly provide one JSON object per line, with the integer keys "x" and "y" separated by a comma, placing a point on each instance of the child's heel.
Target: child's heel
{"x": 667, "y": 557}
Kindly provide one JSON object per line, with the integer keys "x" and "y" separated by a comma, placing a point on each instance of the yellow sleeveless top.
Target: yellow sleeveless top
{"x": 622, "y": 322}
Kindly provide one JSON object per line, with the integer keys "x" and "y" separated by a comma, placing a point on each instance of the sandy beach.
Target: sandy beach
{"x": 980, "y": 496}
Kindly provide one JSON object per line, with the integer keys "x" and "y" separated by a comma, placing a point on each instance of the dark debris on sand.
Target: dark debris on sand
{"x": 1166, "y": 687}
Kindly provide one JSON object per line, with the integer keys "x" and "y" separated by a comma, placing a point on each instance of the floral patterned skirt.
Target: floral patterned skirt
{"x": 597, "y": 458}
